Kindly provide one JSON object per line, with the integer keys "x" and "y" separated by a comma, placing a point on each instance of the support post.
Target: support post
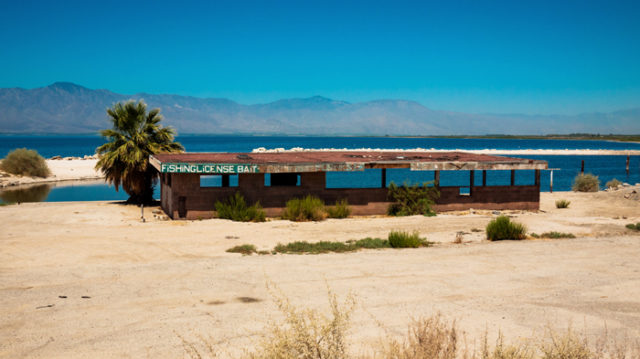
{"x": 538, "y": 178}
{"x": 383, "y": 182}
{"x": 551, "y": 182}
{"x": 627, "y": 165}
{"x": 513, "y": 177}
{"x": 436, "y": 178}
{"x": 582, "y": 167}
{"x": 484, "y": 178}
{"x": 471, "y": 182}
{"x": 225, "y": 180}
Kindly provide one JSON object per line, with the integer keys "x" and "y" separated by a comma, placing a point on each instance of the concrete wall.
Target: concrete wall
{"x": 199, "y": 202}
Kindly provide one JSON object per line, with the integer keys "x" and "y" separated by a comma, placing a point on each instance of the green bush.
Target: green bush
{"x": 614, "y": 183}
{"x": 553, "y": 235}
{"x": 340, "y": 210}
{"x": 411, "y": 200}
{"x": 562, "y": 203}
{"x": 302, "y": 247}
{"x": 633, "y": 227}
{"x": 25, "y": 162}
{"x": 585, "y": 183}
{"x": 235, "y": 208}
{"x": 502, "y": 228}
{"x": 245, "y": 249}
{"x": 403, "y": 239}
{"x": 315, "y": 248}
{"x": 309, "y": 208}
{"x": 372, "y": 243}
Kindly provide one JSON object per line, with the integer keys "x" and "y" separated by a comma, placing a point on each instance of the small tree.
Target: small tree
{"x": 411, "y": 200}
{"x": 135, "y": 135}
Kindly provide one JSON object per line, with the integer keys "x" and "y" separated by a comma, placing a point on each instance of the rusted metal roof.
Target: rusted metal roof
{"x": 317, "y": 161}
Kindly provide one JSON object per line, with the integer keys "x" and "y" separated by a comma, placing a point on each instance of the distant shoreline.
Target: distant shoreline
{"x": 487, "y": 151}
{"x": 579, "y": 137}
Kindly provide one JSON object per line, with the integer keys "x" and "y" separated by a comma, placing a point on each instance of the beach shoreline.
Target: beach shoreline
{"x": 62, "y": 170}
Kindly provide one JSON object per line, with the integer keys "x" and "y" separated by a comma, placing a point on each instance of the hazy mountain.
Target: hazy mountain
{"x": 69, "y": 108}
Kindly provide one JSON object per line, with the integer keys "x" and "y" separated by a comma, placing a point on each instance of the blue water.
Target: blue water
{"x": 49, "y": 146}
{"x": 606, "y": 167}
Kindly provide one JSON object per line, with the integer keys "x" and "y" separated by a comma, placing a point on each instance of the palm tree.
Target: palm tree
{"x": 135, "y": 135}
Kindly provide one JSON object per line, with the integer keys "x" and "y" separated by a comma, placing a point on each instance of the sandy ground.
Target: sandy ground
{"x": 61, "y": 170}
{"x": 149, "y": 283}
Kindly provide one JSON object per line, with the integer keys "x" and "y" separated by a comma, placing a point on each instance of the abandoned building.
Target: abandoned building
{"x": 191, "y": 183}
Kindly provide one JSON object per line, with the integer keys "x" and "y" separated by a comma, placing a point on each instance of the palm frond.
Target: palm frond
{"x": 135, "y": 135}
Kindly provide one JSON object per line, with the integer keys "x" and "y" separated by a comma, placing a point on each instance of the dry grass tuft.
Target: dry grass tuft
{"x": 562, "y": 203}
{"x": 307, "y": 333}
{"x": 426, "y": 338}
{"x": 310, "y": 334}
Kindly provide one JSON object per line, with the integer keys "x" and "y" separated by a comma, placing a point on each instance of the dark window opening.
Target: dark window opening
{"x": 219, "y": 181}
{"x": 282, "y": 179}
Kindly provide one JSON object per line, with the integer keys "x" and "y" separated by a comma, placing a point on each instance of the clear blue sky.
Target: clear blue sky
{"x": 472, "y": 56}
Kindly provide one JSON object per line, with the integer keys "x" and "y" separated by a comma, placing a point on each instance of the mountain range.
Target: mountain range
{"x": 65, "y": 107}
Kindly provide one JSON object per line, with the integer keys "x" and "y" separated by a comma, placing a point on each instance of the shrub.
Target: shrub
{"x": 633, "y": 227}
{"x": 502, "y": 228}
{"x": 554, "y": 235}
{"x": 315, "y": 248}
{"x": 412, "y": 200}
{"x": 372, "y": 243}
{"x": 245, "y": 249}
{"x": 403, "y": 239}
{"x": 426, "y": 338}
{"x": 340, "y": 210}
{"x": 568, "y": 345}
{"x": 25, "y": 162}
{"x": 301, "y": 247}
{"x": 235, "y": 208}
{"x": 585, "y": 183}
{"x": 307, "y": 333}
{"x": 562, "y": 203}
{"x": 309, "y": 208}
{"x": 614, "y": 183}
